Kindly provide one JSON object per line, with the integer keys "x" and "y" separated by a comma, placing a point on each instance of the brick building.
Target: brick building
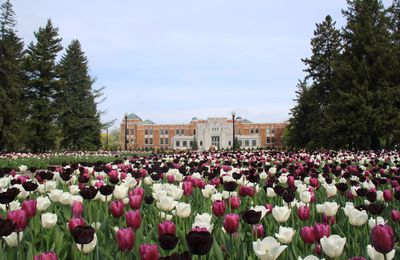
{"x": 212, "y": 132}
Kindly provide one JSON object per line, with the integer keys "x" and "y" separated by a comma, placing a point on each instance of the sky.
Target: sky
{"x": 171, "y": 60}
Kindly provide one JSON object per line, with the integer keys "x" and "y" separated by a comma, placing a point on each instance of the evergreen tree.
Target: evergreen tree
{"x": 41, "y": 88}
{"x": 78, "y": 119}
{"x": 11, "y": 81}
{"x": 325, "y": 47}
{"x": 357, "y": 111}
{"x": 195, "y": 145}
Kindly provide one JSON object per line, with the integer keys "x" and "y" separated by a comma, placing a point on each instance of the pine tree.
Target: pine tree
{"x": 11, "y": 81}
{"x": 195, "y": 146}
{"x": 79, "y": 119}
{"x": 356, "y": 114}
{"x": 325, "y": 47}
{"x": 42, "y": 88}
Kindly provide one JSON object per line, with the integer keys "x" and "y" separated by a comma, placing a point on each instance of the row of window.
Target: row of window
{"x": 270, "y": 140}
{"x": 247, "y": 143}
{"x": 184, "y": 143}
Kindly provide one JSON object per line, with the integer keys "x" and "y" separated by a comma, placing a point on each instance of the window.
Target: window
{"x": 132, "y": 131}
{"x": 273, "y": 130}
{"x": 182, "y": 132}
{"x": 268, "y": 140}
{"x": 256, "y": 130}
{"x": 240, "y": 142}
{"x": 194, "y": 131}
{"x": 268, "y": 130}
{"x": 184, "y": 143}
{"x": 253, "y": 143}
{"x": 229, "y": 143}
{"x": 166, "y": 132}
{"x": 177, "y": 131}
{"x": 201, "y": 143}
{"x": 166, "y": 140}
{"x": 177, "y": 143}
{"x": 161, "y": 131}
{"x": 273, "y": 140}
{"x": 151, "y": 131}
{"x": 132, "y": 141}
{"x": 161, "y": 141}
{"x": 146, "y": 131}
{"x": 246, "y": 143}
{"x": 146, "y": 141}
{"x": 191, "y": 143}
{"x": 151, "y": 140}
{"x": 251, "y": 131}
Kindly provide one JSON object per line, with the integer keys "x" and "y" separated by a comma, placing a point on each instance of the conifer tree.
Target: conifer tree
{"x": 78, "y": 118}
{"x": 41, "y": 88}
{"x": 11, "y": 81}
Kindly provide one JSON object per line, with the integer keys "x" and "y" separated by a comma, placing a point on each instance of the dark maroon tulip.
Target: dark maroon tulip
{"x": 187, "y": 187}
{"x": 235, "y": 202}
{"x": 106, "y": 190}
{"x": 231, "y": 223}
{"x": 89, "y": 193}
{"x": 148, "y": 199}
{"x": 133, "y": 219}
{"x": 135, "y": 201}
{"x": 177, "y": 256}
{"x": 258, "y": 230}
{"x": 230, "y": 185}
{"x": 19, "y": 218}
{"x": 307, "y": 234}
{"x": 30, "y": 186}
{"x": 46, "y": 256}
{"x": 30, "y": 207}
{"x": 321, "y": 230}
{"x": 125, "y": 239}
{"x": 218, "y": 208}
{"x": 303, "y": 213}
{"x": 77, "y": 209}
{"x": 168, "y": 241}
{"x": 83, "y": 234}
{"x": 375, "y": 208}
{"x": 7, "y": 226}
{"x": 251, "y": 216}
{"x": 74, "y": 222}
{"x": 117, "y": 208}
{"x": 149, "y": 252}
{"x": 199, "y": 241}
{"x": 388, "y": 195}
{"x": 8, "y": 196}
{"x": 166, "y": 227}
{"x": 395, "y": 215}
{"x": 382, "y": 238}
{"x": 246, "y": 191}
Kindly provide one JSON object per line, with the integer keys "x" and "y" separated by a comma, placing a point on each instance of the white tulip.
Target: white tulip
{"x": 281, "y": 214}
{"x": 96, "y": 225}
{"x": 208, "y": 190}
{"x": 50, "y": 185}
{"x": 261, "y": 209}
{"x": 268, "y": 248}
{"x": 74, "y": 189}
{"x": 22, "y": 192}
{"x": 183, "y": 210}
{"x": 129, "y": 181}
{"x": 375, "y": 255}
{"x": 357, "y": 218}
{"x": 55, "y": 195}
{"x": 148, "y": 180}
{"x": 87, "y": 248}
{"x": 270, "y": 192}
{"x": 331, "y": 190}
{"x": 12, "y": 239}
{"x": 374, "y": 221}
{"x": 42, "y": 203}
{"x": 333, "y": 245}
{"x": 379, "y": 196}
{"x": 167, "y": 203}
{"x": 49, "y": 220}
{"x": 120, "y": 192}
{"x": 272, "y": 170}
{"x": 330, "y": 208}
{"x": 305, "y": 197}
{"x": 203, "y": 221}
{"x": 23, "y": 168}
{"x": 165, "y": 216}
{"x": 14, "y": 205}
{"x": 216, "y": 196}
{"x": 285, "y": 234}
{"x": 347, "y": 208}
{"x": 66, "y": 198}
{"x": 282, "y": 179}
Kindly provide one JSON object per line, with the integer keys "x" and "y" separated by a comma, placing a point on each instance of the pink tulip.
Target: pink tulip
{"x": 321, "y": 230}
{"x": 149, "y": 252}
{"x": 135, "y": 201}
{"x": 133, "y": 219}
{"x": 307, "y": 234}
{"x": 231, "y": 223}
{"x": 74, "y": 222}
{"x": 187, "y": 188}
{"x": 395, "y": 215}
{"x": 166, "y": 227}
{"x": 269, "y": 208}
{"x": 258, "y": 230}
{"x": 303, "y": 213}
{"x": 117, "y": 208}
{"x": 19, "y": 218}
{"x": 46, "y": 256}
{"x": 388, "y": 195}
{"x": 77, "y": 209}
{"x": 382, "y": 238}
{"x": 125, "y": 239}
{"x": 30, "y": 207}
{"x": 235, "y": 202}
{"x": 218, "y": 208}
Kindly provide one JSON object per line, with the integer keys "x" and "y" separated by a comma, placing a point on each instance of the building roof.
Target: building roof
{"x": 246, "y": 121}
{"x": 147, "y": 122}
{"x": 194, "y": 118}
{"x": 134, "y": 116}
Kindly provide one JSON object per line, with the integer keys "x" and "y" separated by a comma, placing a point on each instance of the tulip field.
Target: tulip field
{"x": 204, "y": 205}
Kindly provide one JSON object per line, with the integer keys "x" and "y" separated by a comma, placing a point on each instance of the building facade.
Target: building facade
{"x": 216, "y": 132}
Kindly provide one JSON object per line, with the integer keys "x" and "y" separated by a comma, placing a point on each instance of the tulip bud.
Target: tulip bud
{"x": 30, "y": 207}
{"x": 125, "y": 239}
{"x": 77, "y": 209}
{"x": 321, "y": 230}
{"x": 46, "y": 256}
{"x": 135, "y": 201}
{"x": 258, "y": 230}
{"x": 382, "y": 238}
{"x": 187, "y": 188}
{"x": 395, "y": 215}
{"x": 133, "y": 219}
{"x": 149, "y": 252}
{"x": 166, "y": 227}
{"x": 303, "y": 213}
{"x": 235, "y": 202}
{"x": 218, "y": 208}
{"x": 307, "y": 234}
{"x": 231, "y": 223}
{"x": 388, "y": 195}
{"x": 117, "y": 208}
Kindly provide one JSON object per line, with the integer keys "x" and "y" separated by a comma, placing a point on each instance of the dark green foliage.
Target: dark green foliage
{"x": 195, "y": 146}
{"x": 41, "y": 88}
{"x": 11, "y": 81}
{"x": 78, "y": 118}
{"x": 352, "y": 100}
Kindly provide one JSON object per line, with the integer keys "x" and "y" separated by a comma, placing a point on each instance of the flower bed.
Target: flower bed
{"x": 244, "y": 205}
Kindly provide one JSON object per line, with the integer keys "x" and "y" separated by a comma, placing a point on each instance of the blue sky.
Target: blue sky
{"x": 171, "y": 60}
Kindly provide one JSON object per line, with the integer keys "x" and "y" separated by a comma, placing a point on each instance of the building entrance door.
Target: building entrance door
{"x": 215, "y": 141}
